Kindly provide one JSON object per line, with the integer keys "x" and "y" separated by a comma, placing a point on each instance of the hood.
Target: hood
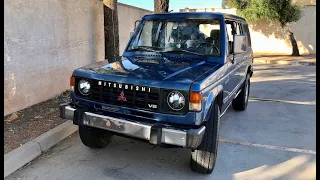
{"x": 144, "y": 71}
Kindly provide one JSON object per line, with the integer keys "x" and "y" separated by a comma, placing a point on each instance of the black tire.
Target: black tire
{"x": 203, "y": 159}
{"x": 93, "y": 137}
{"x": 240, "y": 103}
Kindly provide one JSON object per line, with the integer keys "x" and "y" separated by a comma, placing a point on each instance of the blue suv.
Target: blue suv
{"x": 177, "y": 77}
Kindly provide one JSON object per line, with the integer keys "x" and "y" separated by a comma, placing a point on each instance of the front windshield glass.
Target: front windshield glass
{"x": 198, "y": 36}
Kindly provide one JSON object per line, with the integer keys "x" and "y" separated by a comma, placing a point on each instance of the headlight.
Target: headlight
{"x": 84, "y": 87}
{"x": 176, "y": 100}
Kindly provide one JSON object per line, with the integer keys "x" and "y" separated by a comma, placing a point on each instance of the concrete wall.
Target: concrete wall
{"x": 269, "y": 38}
{"x": 44, "y": 41}
{"x": 127, "y": 16}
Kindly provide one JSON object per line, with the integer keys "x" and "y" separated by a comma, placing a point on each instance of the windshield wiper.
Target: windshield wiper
{"x": 189, "y": 52}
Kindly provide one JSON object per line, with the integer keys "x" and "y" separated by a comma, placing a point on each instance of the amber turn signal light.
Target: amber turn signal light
{"x": 72, "y": 83}
{"x": 195, "y": 97}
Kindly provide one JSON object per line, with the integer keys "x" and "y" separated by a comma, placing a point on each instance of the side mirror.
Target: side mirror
{"x": 239, "y": 44}
{"x": 135, "y": 24}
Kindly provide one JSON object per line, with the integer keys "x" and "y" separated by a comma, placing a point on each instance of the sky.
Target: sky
{"x": 175, "y": 5}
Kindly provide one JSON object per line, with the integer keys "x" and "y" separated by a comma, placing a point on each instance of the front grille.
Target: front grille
{"x": 141, "y": 97}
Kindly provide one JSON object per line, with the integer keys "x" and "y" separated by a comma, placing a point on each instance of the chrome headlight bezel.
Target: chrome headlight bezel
{"x": 175, "y": 97}
{"x": 84, "y": 87}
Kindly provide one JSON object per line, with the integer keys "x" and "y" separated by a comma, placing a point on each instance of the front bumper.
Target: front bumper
{"x": 154, "y": 133}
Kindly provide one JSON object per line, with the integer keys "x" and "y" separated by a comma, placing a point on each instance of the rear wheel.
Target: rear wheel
{"x": 240, "y": 103}
{"x": 203, "y": 159}
{"x": 93, "y": 137}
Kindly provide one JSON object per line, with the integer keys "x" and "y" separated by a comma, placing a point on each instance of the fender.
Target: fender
{"x": 211, "y": 98}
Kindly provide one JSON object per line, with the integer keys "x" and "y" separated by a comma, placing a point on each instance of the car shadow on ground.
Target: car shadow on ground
{"x": 130, "y": 159}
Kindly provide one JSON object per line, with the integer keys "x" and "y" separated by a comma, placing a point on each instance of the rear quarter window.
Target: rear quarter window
{"x": 247, "y": 32}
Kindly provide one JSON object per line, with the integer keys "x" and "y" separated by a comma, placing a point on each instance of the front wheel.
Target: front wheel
{"x": 240, "y": 103}
{"x": 94, "y": 137}
{"x": 203, "y": 159}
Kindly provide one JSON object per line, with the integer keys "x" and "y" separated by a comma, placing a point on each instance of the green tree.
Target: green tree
{"x": 224, "y": 4}
{"x": 282, "y": 11}
{"x": 161, "y": 6}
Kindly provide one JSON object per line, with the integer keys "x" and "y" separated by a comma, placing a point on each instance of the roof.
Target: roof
{"x": 192, "y": 15}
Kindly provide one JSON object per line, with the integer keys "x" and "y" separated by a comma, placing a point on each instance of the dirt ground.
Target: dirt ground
{"x": 31, "y": 122}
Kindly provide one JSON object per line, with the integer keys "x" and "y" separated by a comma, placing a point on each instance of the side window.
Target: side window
{"x": 247, "y": 32}
{"x": 229, "y": 37}
{"x": 229, "y": 32}
{"x": 232, "y": 29}
{"x": 237, "y": 29}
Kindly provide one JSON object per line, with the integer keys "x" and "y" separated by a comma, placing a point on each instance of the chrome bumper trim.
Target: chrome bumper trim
{"x": 186, "y": 138}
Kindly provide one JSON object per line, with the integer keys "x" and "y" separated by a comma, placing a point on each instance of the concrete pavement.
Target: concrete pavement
{"x": 278, "y": 59}
{"x": 274, "y": 139}
{"x": 24, "y": 154}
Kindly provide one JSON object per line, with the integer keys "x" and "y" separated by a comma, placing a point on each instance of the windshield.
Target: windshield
{"x": 193, "y": 36}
